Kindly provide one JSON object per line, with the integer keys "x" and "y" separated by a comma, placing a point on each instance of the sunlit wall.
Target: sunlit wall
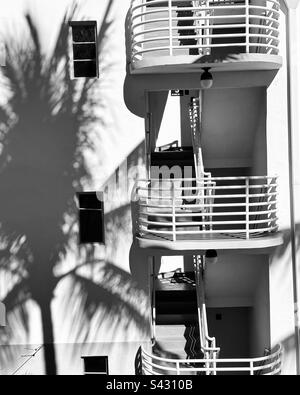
{"x": 57, "y": 137}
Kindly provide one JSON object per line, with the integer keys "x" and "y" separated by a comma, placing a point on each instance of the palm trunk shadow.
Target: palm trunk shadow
{"x": 48, "y": 338}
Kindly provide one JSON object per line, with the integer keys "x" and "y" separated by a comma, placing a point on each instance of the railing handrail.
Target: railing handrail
{"x": 197, "y": 188}
{"x": 244, "y": 195}
{"x": 193, "y": 18}
{"x": 161, "y": 29}
{"x": 210, "y": 179}
{"x": 193, "y": 214}
{"x": 142, "y": 3}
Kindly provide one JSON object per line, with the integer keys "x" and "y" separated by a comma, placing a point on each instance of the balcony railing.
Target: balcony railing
{"x": 211, "y": 208}
{"x": 205, "y": 27}
{"x": 269, "y": 365}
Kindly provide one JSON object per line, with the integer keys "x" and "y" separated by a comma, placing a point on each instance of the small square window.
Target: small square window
{"x": 96, "y": 365}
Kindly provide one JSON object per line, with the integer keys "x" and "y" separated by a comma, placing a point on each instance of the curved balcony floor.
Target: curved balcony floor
{"x": 199, "y": 244}
{"x": 189, "y": 64}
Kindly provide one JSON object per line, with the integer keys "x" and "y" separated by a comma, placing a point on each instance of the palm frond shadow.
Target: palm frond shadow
{"x": 115, "y": 298}
{"x": 45, "y": 128}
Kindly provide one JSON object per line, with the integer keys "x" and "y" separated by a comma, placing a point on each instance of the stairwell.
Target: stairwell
{"x": 181, "y": 164}
{"x": 177, "y": 330}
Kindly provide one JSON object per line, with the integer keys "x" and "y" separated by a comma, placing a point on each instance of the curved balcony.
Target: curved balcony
{"x": 269, "y": 365}
{"x": 185, "y": 35}
{"x": 211, "y": 213}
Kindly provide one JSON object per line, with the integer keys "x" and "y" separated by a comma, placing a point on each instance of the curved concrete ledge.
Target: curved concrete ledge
{"x": 163, "y": 246}
{"x": 188, "y": 63}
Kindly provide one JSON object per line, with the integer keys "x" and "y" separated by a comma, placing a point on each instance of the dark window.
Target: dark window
{"x": 85, "y": 69}
{"x": 96, "y": 365}
{"x": 85, "y": 51}
{"x": 91, "y": 218}
{"x": 83, "y": 32}
{"x": 117, "y": 177}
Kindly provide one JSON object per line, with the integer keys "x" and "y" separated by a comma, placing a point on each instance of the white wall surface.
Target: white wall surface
{"x": 113, "y": 140}
{"x": 281, "y": 276}
{"x": 124, "y": 131}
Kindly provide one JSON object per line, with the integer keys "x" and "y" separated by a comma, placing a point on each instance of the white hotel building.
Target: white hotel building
{"x": 202, "y": 218}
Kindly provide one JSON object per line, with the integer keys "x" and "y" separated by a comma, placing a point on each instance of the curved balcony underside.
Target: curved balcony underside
{"x": 200, "y": 244}
{"x": 183, "y": 35}
{"x": 192, "y": 64}
{"x": 226, "y": 214}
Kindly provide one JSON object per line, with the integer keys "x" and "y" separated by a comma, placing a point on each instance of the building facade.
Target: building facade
{"x": 217, "y": 83}
{"x": 196, "y": 108}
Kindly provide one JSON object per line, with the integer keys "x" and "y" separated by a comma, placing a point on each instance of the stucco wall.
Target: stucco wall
{"x": 281, "y": 274}
{"x": 57, "y": 137}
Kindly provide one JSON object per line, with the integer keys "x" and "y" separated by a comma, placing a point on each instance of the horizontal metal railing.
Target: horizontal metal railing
{"x": 166, "y": 27}
{"x": 269, "y": 365}
{"x": 243, "y": 207}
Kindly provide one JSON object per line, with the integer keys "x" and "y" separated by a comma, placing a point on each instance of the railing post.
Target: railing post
{"x": 153, "y": 310}
{"x": 177, "y": 369}
{"x": 247, "y": 209}
{"x": 207, "y": 31}
{"x": 170, "y": 27}
{"x": 215, "y": 363}
{"x": 251, "y": 368}
{"x": 173, "y": 211}
{"x": 247, "y": 27}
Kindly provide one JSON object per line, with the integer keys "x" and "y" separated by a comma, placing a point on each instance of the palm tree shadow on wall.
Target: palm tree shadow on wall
{"x": 44, "y": 131}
